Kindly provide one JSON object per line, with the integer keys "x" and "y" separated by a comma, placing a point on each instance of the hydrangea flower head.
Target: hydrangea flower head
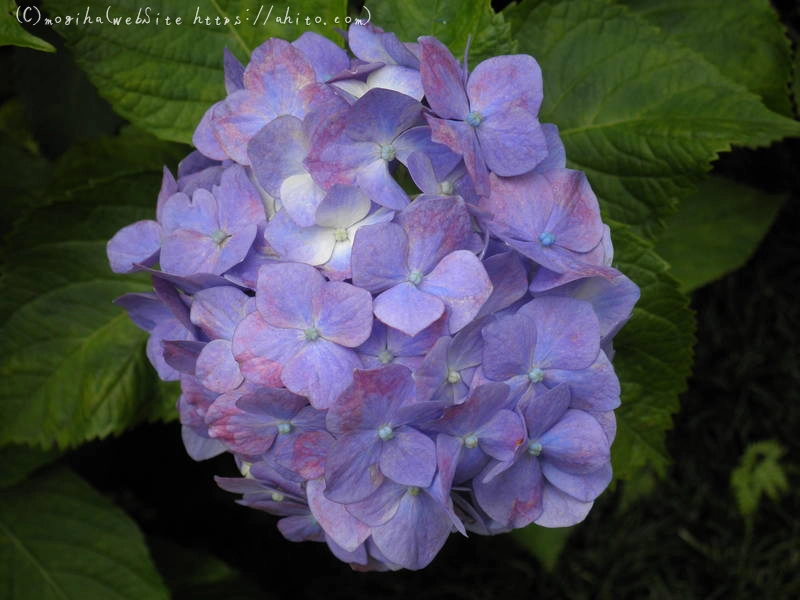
{"x": 385, "y": 295}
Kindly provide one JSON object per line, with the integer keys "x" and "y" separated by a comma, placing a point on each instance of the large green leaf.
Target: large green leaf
{"x": 744, "y": 39}
{"x": 163, "y": 78}
{"x": 715, "y": 230}
{"x": 12, "y": 32}
{"x": 653, "y": 358}
{"x": 452, "y": 21}
{"x": 72, "y": 364}
{"x": 61, "y": 540}
{"x": 17, "y": 462}
{"x": 641, "y": 114}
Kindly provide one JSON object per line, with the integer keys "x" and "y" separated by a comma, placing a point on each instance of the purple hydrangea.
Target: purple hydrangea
{"x": 385, "y": 295}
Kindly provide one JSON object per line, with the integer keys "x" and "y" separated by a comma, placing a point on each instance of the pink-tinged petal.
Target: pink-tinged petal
{"x": 242, "y": 432}
{"x": 344, "y": 529}
{"x": 510, "y": 342}
{"x": 139, "y": 242}
{"x": 254, "y": 342}
{"x": 585, "y": 487}
{"x": 504, "y": 82}
{"x": 280, "y": 403}
{"x": 461, "y": 282}
{"x": 560, "y": 509}
{"x": 309, "y": 245}
{"x": 461, "y": 139}
{"x": 556, "y": 154}
{"x": 575, "y": 220}
{"x": 502, "y": 435}
{"x": 512, "y": 142}
{"x": 182, "y": 355}
{"x": 238, "y": 119}
{"x": 379, "y": 185}
{"x": 408, "y": 309}
{"x": 543, "y": 410}
{"x": 239, "y": 201}
{"x": 514, "y": 496}
{"x": 278, "y": 70}
{"x": 351, "y": 471}
{"x": 416, "y": 533}
{"x": 343, "y": 313}
{"x": 277, "y": 151}
{"x": 325, "y": 57}
{"x": 321, "y": 370}
{"x": 594, "y": 389}
{"x": 379, "y": 255}
{"x": 380, "y": 506}
{"x": 519, "y": 208}
{"x": 301, "y": 196}
{"x": 342, "y": 206}
{"x": 205, "y": 136}
{"x": 286, "y": 292}
{"x": 218, "y": 310}
{"x": 381, "y": 115}
{"x": 442, "y": 80}
{"x": 367, "y": 402}
{"x": 357, "y": 559}
{"x": 216, "y": 368}
{"x": 576, "y": 444}
{"x": 301, "y": 528}
{"x": 305, "y": 453}
{"x": 398, "y": 79}
{"x": 567, "y": 332}
{"x": 409, "y": 458}
{"x": 435, "y": 226}
{"x": 339, "y": 161}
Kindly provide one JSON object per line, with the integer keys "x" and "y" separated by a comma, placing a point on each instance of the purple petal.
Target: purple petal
{"x": 343, "y": 313}
{"x": 277, "y": 151}
{"x": 542, "y": 411}
{"x": 408, "y": 309}
{"x": 321, "y": 370}
{"x": 396, "y": 78}
{"x": 309, "y": 245}
{"x": 199, "y": 447}
{"x": 182, "y": 355}
{"x": 585, "y": 487}
{"x": 305, "y": 453}
{"x": 512, "y": 142}
{"x": 509, "y": 281}
{"x": 342, "y": 207}
{"x": 594, "y": 389}
{"x": 217, "y": 311}
{"x": 502, "y": 435}
{"x": 378, "y": 259}
{"x": 513, "y": 497}
{"x": 510, "y": 342}
{"x": 139, "y": 242}
{"x": 344, "y": 529}
{"x": 278, "y": 299}
{"x": 216, "y": 368}
{"x": 351, "y": 471}
{"x": 560, "y": 509}
{"x": 380, "y": 506}
{"x": 502, "y": 82}
{"x": 251, "y": 341}
{"x": 409, "y": 458}
{"x": 381, "y": 115}
{"x": 301, "y": 528}
{"x": 441, "y": 79}
{"x": 378, "y": 184}
{"x": 243, "y": 432}
{"x": 327, "y": 58}
{"x": 576, "y": 444}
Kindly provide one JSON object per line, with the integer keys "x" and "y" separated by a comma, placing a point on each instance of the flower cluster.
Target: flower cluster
{"x": 386, "y": 296}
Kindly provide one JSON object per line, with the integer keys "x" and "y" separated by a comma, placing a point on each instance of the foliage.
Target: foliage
{"x": 759, "y": 474}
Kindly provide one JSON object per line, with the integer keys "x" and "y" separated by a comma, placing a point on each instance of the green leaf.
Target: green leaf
{"x": 642, "y": 115}
{"x": 72, "y": 364}
{"x": 759, "y": 474}
{"x": 17, "y": 462}
{"x": 192, "y": 574}
{"x": 653, "y": 359}
{"x": 12, "y": 32}
{"x": 451, "y": 21}
{"x": 544, "y": 543}
{"x": 61, "y": 540}
{"x": 715, "y": 230}
{"x": 163, "y": 78}
{"x": 744, "y": 40}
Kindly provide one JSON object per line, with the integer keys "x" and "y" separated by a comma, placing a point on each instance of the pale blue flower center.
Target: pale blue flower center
{"x": 535, "y": 375}
{"x": 219, "y": 237}
{"x": 388, "y": 152}
{"x": 277, "y": 497}
{"x": 446, "y": 187}
{"x": 547, "y": 238}
{"x": 453, "y": 376}
{"x": 312, "y": 334}
{"x": 471, "y": 441}
{"x": 474, "y": 118}
{"x": 413, "y": 491}
{"x": 385, "y": 433}
{"x": 284, "y": 427}
{"x": 340, "y": 234}
{"x": 534, "y": 448}
{"x": 415, "y": 277}
{"x": 386, "y": 356}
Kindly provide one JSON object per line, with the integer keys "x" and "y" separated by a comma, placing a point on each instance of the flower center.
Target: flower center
{"x": 413, "y": 491}
{"x": 474, "y": 118}
{"x": 388, "y": 152}
{"x": 385, "y": 356}
{"x": 453, "y": 376}
{"x": 415, "y": 277}
{"x": 471, "y": 440}
{"x": 277, "y": 497}
{"x": 534, "y": 448}
{"x": 284, "y": 427}
{"x": 446, "y": 187}
{"x": 547, "y": 238}
{"x": 312, "y": 334}
{"x": 385, "y": 433}
{"x": 219, "y": 237}
{"x": 535, "y": 375}
{"x": 340, "y": 234}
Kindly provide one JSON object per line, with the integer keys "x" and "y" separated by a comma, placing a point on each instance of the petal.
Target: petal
{"x": 379, "y": 507}
{"x": 277, "y": 151}
{"x": 199, "y": 447}
{"x": 513, "y": 497}
{"x": 139, "y": 242}
{"x": 238, "y": 200}
{"x": 502, "y": 435}
{"x": 378, "y": 184}
{"x": 243, "y": 432}
{"x": 576, "y": 444}
{"x": 326, "y": 57}
{"x": 379, "y": 254}
{"x": 309, "y": 245}
{"x": 343, "y": 313}
{"x": 510, "y": 343}
{"x": 408, "y": 309}
{"x": 301, "y": 196}
{"x": 278, "y": 70}
{"x": 560, "y": 509}
{"x": 593, "y": 389}
{"x": 543, "y": 410}
{"x": 512, "y": 142}
{"x": 286, "y": 292}
{"x": 260, "y": 349}
{"x": 575, "y": 220}
{"x": 305, "y": 453}
{"x": 321, "y": 370}
{"x": 381, "y": 115}
{"x": 344, "y": 529}
{"x": 585, "y": 487}
{"x": 217, "y": 369}
{"x": 509, "y": 281}
{"x": 442, "y": 80}
{"x": 396, "y": 78}
{"x": 342, "y": 206}
{"x": 218, "y": 310}
{"x": 503, "y": 82}
{"x": 409, "y": 458}
{"x": 351, "y": 470}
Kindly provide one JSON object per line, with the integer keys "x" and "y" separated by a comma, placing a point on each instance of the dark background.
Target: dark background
{"x": 685, "y": 539}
